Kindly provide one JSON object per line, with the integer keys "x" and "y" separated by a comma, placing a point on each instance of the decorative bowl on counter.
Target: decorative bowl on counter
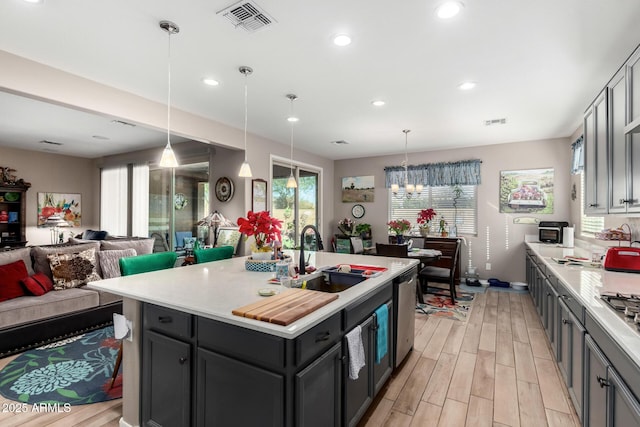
{"x": 263, "y": 266}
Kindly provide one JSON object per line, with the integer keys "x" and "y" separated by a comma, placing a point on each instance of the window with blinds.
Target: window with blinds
{"x": 462, "y": 212}
{"x": 588, "y": 224}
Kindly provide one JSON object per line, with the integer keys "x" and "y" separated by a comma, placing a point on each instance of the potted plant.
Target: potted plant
{"x": 424, "y": 220}
{"x": 443, "y": 227}
{"x": 399, "y": 226}
{"x": 364, "y": 230}
{"x": 264, "y": 228}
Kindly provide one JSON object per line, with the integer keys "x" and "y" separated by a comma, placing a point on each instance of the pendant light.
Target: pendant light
{"x": 410, "y": 189}
{"x": 291, "y": 182}
{"x": 168, "y": 159}
{"x": 245, "y": 169}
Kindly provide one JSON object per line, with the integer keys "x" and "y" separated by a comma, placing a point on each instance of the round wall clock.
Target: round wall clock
{"x": 179, "y": 201}
{"x": 357, "y": 211}
{"x": 224, "y": 189}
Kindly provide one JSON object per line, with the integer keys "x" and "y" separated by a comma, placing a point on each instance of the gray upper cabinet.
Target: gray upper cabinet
{"x": 616, "y": 91}
{"x": 595, "y": 164}
{"x": 633, "y": 139}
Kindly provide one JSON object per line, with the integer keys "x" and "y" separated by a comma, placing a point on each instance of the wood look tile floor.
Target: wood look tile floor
{"x": 496, "y": 369}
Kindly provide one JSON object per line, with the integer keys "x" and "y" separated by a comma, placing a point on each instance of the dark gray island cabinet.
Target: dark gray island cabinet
{"x": 204, "y": 372}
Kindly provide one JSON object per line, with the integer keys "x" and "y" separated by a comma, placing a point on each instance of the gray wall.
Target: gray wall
{"x": 496, "y": 231}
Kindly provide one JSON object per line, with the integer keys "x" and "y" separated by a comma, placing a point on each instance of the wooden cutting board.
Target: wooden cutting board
{"x": 286, "y": 307}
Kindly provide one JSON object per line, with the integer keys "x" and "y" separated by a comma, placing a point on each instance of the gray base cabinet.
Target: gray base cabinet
{"x": 318, "y": 391}
{"x": 198, "y": 371}
{"x": 603, "y": 382}
{"x": 223, "y": 383}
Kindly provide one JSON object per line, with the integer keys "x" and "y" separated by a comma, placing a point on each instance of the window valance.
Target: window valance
{"x": 577, "y": 158}
{"x": 465, "y": 172}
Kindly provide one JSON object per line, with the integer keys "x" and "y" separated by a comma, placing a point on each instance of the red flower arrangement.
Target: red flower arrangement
{"x": 425, "y": 216}
{"x": 263, "y": 227}
{"x": 399, "y": 226}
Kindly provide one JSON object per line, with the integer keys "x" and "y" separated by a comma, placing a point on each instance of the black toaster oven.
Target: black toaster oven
{"x": 551, "y": 231}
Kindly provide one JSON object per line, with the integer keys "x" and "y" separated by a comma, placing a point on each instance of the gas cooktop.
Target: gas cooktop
{"x": 627, "y": 307}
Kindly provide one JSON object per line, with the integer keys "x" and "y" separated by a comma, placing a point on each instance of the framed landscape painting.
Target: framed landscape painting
{"x": 67, "y": 205}
{"x": 358, "y": 189}
{"x": 526, "y": 191}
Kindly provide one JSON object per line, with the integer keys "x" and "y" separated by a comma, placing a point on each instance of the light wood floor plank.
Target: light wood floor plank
{"x": 504, "y": 321}
{"x": 438, "y": 339}
{"x": 487, "y": 337}
{"x": 454, "y": 341}
{"x": 539, "y": 344}
{"x": 520, "y": 332}
{"x": 553, "y": 394}
{"x": 525, "y": 366}
{"x": 532, "y": 413}
{"x": 397, "y": 419}
{"x": 471, "y": 338}
{"x": 484, "y": 375}
{"x": 504, "y": 303}
{"x": 490, "y": 314}
{"x": 460, "y": 387}
{"x": 425, "y": 334}
{"x": 453, "y": 414}
{"x": 436, "y": 391}
{"x": 504, "y": 349}
{"x": 427, "y": 415}
{"x": 399, "y": 377}
{"x": 560, "y": 419}
{"x": 505, "y": 403}
{"x": 480, "y": 412}
{"x": 379, "y": 414}
{"x": 407, "y": 401}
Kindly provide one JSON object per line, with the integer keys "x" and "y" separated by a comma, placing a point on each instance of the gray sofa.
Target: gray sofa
{"x": 30, "y": 321}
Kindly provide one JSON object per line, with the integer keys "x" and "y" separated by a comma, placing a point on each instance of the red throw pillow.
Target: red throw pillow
{"x": 38, "y": 284}
{"x": 10, "y": 277}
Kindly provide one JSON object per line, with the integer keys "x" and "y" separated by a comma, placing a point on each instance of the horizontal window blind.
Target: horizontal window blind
{"x": 588, "y": 224}
{"x": 463, "y": 214}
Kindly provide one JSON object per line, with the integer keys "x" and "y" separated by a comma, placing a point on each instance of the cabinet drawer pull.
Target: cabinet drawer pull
{"x": 548, "y": 294}
{"x": 565, "y": 297}
{"x": 165, "y": 319}
{"x": 593, "y": 205}
{"x": 566, "y": 322}
{"x": 182, "y": 360}
{"x": 323, "y": 336}
{"x": 603, "y": 383}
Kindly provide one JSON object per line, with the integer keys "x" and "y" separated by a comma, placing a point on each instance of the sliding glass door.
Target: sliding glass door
{"x": 295, "y": 207}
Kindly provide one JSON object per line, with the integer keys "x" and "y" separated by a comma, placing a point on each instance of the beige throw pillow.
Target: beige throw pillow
{"x": 110, "y": 261}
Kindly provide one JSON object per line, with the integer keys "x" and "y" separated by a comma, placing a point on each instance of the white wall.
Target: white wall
{"x": 52, "y": 173}
{"x": 505, "y": 240}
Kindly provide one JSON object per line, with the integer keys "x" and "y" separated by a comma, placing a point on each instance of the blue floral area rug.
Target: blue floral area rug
{"x": 75, "y": 371}
{"x": 438, "y": 303}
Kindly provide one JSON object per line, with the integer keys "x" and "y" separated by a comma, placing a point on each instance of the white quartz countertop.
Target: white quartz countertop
{"x": 213, "y": 289}
{"x": 587, "y": 284}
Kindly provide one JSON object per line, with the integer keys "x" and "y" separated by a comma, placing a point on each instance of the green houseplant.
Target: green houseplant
{"x": 364, "y": 230}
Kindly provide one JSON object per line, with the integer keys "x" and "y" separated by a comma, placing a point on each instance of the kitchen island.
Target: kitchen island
{"x": 192, "y": 362}
{"x": 597, "y": 348}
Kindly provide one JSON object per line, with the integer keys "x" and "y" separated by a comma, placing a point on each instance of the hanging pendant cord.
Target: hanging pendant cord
{"x": 291, "y": 154}
{"x": 245, "y": 117}
{"x": 169, "y": 90}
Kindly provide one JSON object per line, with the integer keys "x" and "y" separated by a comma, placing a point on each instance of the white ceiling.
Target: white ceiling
{"x": 537, "y": 63}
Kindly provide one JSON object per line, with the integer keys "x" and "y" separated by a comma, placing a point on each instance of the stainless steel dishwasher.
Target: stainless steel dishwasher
{"x": 404, "y": 296}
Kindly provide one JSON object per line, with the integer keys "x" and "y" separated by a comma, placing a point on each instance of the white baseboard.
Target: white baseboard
{"x": 123, "y": 423}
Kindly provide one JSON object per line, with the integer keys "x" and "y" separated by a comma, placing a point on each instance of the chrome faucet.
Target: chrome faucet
{"x": 302, "y": 263}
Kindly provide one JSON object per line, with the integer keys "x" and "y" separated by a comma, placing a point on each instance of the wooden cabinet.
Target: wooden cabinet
{"x": 570, "y": 356}
{"x": 595, "y": 158}
{"x": 13, "y": 216}
{"x": 618, "y": 161}
{"x": 550, "y": 312}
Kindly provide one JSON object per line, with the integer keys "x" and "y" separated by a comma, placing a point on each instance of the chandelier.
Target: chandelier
{"x": 409, "y": 189}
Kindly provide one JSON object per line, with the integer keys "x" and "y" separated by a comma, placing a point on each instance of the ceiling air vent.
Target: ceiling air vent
{"x": 123, "y": 123}
{"x": 340, "y": 142}
{"x": 247, "y": 15}
{"x": 495, "y": 122}
{"x": 44, "y": 141}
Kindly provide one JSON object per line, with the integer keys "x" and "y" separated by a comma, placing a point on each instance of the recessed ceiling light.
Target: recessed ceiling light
{"x": 449, "y": 9}
{"x": 378, "y": 103}
{"x": 34, "y": 1}
{"x": 292, "y": 119}
{"x": 466, "y": 85}
{"x": 210, "y": 81}
{"x": 342, "y": 40}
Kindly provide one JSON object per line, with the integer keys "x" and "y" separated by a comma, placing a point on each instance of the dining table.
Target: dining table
{"x": 426, "y": 256}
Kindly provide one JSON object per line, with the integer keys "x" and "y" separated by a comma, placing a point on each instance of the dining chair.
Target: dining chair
{"x": 213, "y": 254}
{"x": 430, "y": 273}
{"x": 398, "y": 251}
{"x": 137, "y": 265}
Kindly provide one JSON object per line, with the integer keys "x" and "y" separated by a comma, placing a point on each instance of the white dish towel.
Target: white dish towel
{"x": 356, "y": 352}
